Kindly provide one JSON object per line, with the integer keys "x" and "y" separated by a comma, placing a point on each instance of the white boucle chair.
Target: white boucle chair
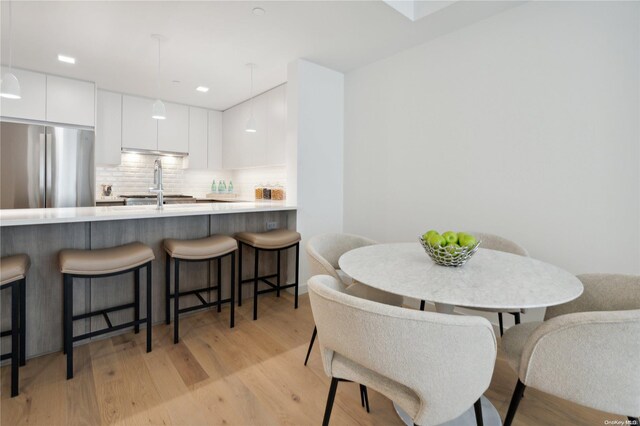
{"x": 586, "y": 351}
{"x": 324, "y": 250}
{"x": 495, "y": 242}
{"x": 434, "y": 366}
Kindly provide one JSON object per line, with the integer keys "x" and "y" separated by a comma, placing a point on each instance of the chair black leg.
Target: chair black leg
{"x": 15, "y": 335}
{"x": 239, "y": 274}
{"x": 167, "y": 289}
{"x": 255, "y": 284}
{"x": 515, "y": 400}
{"x": 232, "y": 288}
{"x": 422, "y": 304}
{"x": 501, "y": 324}
{"x": 313, "y": 339}
{"x": 477, "y": 407}
{"x": 23, "y": 321}
{"x": 330, "y": 399}
{"x": 516, "y": 317}
{"x": 149, "y": 299}
{"x": 365, "y": 395}
{"x": 297, "y": 273}
{"x": 176, "y": 301}
{"x": 219, "y": 283}
{"x": 68, "y": 323}
{"x": 278, "y": 275}
{"x": 136, "y": 300}
{"x": 361, "y": 396}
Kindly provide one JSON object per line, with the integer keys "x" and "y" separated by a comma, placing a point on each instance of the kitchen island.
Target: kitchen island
{"x": 42, "y": 233}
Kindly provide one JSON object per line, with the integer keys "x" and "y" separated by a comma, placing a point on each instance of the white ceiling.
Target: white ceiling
{"x": 209, "y": 43}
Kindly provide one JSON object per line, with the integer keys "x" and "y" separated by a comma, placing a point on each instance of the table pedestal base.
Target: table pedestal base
{"x": 490, "y": 416}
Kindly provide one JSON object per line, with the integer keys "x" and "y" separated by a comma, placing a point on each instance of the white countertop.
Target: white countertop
{"x": 17, "y": 217}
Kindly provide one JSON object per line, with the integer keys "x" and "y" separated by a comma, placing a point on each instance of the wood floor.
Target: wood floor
{"x": 251, "y": 375}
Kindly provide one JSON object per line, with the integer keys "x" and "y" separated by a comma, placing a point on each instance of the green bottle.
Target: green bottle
{"x": 230, "y": 187}
{"x": 213, "y": 186}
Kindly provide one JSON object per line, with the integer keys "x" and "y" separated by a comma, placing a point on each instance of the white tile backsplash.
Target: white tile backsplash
{"x": 134, "y": 175}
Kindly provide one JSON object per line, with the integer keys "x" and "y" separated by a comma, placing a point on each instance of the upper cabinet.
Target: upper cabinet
{"x": 266, "y": 146}
{"x": 32, "y": 104}
{"x": 70, "y": 101}
{"x": 173, "y": 132}
{"x": 198, "y": 133}
{"x": 51, "y": 98}
{"x": 139, "y": 130}
{"x": 214, "y": 140}
{"x": 109, "y": 128}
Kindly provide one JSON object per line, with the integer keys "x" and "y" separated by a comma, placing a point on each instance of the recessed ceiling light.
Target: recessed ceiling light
{"x": 258, "y": 11}
{"x": 202, "y": 89}
{"x": 67, "y": 59}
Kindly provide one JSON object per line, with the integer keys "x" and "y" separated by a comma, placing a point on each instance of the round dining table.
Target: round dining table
{"x": 490, "y": 279}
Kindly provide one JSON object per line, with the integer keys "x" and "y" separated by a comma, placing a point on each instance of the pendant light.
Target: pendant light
{"x": 251, "y": 122}
{"x": 9, "y": 86}
{"x": 159, "y": 112}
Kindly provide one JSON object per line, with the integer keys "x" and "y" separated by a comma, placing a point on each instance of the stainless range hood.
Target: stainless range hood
{"x": 153, "y": 152}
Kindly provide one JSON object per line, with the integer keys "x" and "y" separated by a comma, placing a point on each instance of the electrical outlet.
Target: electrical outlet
{"x": 272, "y": 225}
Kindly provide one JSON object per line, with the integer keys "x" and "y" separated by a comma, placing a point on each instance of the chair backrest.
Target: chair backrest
{"x": 324, "y": 250}
{"x": 446, "y": 360}
{"x": 495, "y": 242}
{"x": 602, "y": 292}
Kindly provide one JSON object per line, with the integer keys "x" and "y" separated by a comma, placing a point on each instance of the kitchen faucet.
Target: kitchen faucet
{"x": 157, "y": 183}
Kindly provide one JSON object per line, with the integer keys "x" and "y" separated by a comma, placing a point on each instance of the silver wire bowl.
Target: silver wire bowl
{"x": 449, "y": 256}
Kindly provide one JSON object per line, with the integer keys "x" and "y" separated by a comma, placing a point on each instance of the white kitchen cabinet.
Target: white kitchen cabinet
{"x": 255, "y": 146}
{"x": 32, "y": 104}
{"x": 230, "y": 138}
{"x": 70, "y": 101}
{"x": 139, "y": 130}
{"x": 108, "y": 128}
{"x": 214, "y": 140}
{"x": 198, "y": 135}
{"x": 277, "y": 128}
{"x": 173, "y": 132}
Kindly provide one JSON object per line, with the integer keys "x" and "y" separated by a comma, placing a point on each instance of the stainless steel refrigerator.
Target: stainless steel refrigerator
{"x": 46, "y": 166}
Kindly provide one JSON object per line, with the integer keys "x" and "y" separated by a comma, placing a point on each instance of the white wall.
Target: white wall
{"x": 524, "y": 125}
{"x": 315, "y": 139}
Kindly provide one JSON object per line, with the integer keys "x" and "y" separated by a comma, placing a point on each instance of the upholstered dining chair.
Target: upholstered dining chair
{"x": 434, "y": 366}
{"x": 586, "y": 351}
{"x": 324, "y": 250}
{"x": 495, "y": 242}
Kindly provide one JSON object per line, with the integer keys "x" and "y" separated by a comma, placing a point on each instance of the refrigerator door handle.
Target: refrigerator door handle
{"x": 42, "y": 148}
{"x": 48, "y": 166}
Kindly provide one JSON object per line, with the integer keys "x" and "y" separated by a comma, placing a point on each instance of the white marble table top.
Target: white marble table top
{"x": 490, "y": 279}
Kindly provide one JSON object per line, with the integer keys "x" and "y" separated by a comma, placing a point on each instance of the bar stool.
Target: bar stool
{"x": 215, "y": 247}
{"x": 103, "y": 263}
{"x": 13, "y": 270}
{"x": 276, "y": 240}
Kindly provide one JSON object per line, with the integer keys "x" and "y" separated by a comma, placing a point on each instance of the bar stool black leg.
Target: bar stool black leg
{"x": 297, "y": 272}
{"x": 176, "y": 301}
{"x": 64, "y": 316}
{"x": 23, "y": 321}
{"x": 278, "y": 276}
{"x": 15, "y": 336}
{"x": 501, "y": 324}
{"x": 232, "y": 287}
{"x": 136, "y": 300}
{"x": 167, "y": 289}
{"x": 516, "y": 318}
{"x": 239, "y": 274}
{"x": 255, "y": 284}
{"x": 219, "y": 283}
{"x": 68, "y": 323}
{"x": 149, "y": 322}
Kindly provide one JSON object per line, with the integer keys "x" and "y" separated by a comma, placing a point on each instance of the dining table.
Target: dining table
{"x": 490, "y": 279}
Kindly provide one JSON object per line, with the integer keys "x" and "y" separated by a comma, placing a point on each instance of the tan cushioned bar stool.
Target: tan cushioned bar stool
{"x": 102, "y": 263}
{"x": 215, "y": 247}
{"x": 13, "y": 275}
{"x": 276, "y": 240}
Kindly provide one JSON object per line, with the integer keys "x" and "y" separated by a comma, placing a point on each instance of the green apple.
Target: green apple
{"x": 436, "y": 240}
{"x": 452, "y": 248}
{"x": 428, "y": 234}
{"x": 451, "y": 237}
{"x": 467, "y": 240}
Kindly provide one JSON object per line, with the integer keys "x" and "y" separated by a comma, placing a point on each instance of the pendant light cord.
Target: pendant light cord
{"x": 10, "y": 37}
{"x": 251, "y": 92}
{"x": 158, "y": 73}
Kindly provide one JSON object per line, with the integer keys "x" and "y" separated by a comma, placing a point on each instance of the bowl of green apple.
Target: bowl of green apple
{"x": 449, "y": 248}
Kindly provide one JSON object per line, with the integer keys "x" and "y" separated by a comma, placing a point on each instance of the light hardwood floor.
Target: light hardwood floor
{"x": 251, "y": 375}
